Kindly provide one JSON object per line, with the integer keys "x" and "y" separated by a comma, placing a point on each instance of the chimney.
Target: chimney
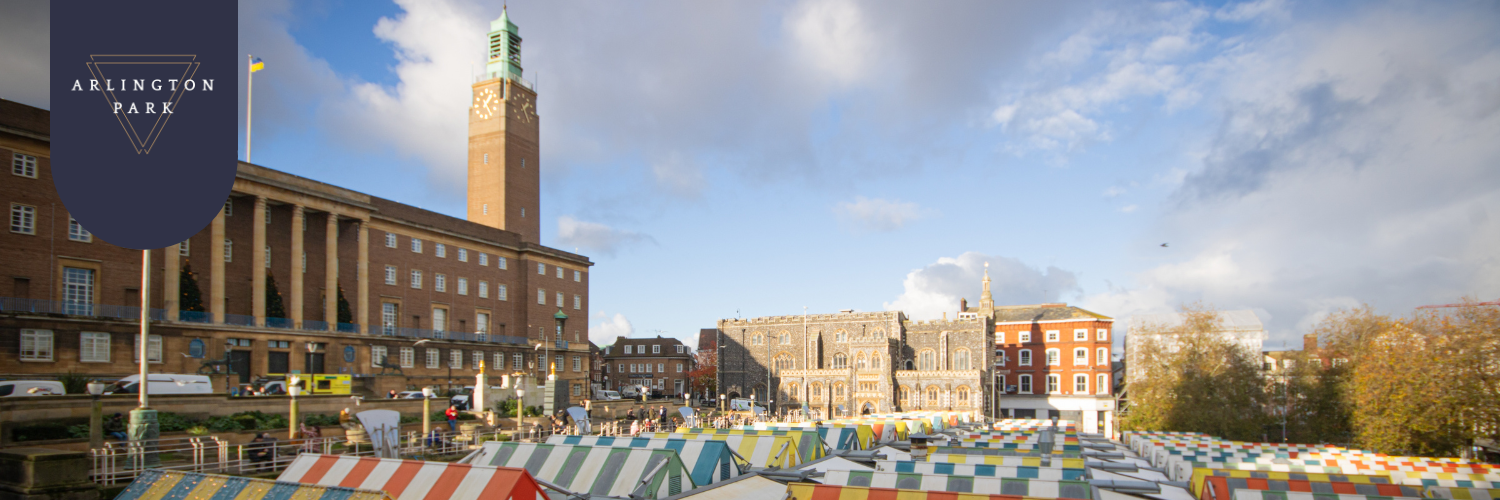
{"x": 963, "y": 305}
{"x": 1310, "y": 342}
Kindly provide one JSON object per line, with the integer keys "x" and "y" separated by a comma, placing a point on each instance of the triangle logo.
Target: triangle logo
{"x": 143, "y": 91}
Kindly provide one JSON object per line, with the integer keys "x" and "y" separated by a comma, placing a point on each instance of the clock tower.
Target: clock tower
{"x": 504, "y": 180}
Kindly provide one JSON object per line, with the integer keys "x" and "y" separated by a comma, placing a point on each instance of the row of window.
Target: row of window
{"x": 655, "y": 349}
{"x": 1054, "y": 384}
{"x": 390, "y": 316}
{"x": 541, "y": 298}
{"x": 643, "y": 368}
{"x": 1079, "y": 335}
{"x": 932, "y": 396}
{"x": 1054, "y": 357}
{"x": 406, "y": 357}
{"x": 441, "y": 251}
{"x": 926, "y": 360}
{"x": 93, "y": 347}
{"x": 23, "y": 221}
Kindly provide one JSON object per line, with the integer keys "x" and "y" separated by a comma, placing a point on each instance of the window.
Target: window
{"x": 904, "y": 395}
{"x": 786, "y": 338}
{"x": 1080, "y": 334}
{"x": 838, "y": 391}
{"x": 679, "y": 367}
{"x": 23, "y": 165}
{"x": 278, "y": 344}
{"x": 153, "y": 348}
{"x": 783, "y": 362}
{"x": 999, "y": 337}
{"x": 1054, "y": 381}
{"x": 390, "y": 275}
{"x": 516, "y": 360}
{"x": 1025, "y": 357}
{"x": 388, "y": 315}
{"x": 93, "y": 347}
{"x": 476, "y": 358}
{"x": 502, "y": 261}
{"x": 577, "y": 301}
{"x": 577, "y": 363}
{"x": 482, "y": 325}
{"x": 183, "y": 248}
{"x": 999, "y": 357}
{"x": 484, "y": 289}
{"x": 1102, "y": 357}
{"x": 416, "y": 245}
{"x": 432, "y": 357}
{"x": 1025, "y": 385}
{"x": 559, "y": 300}
{"x": 860, "y": 363}
{"x": 559, "y": 272}
{"x": 932, "y": 396}
{"x": 1023, "y": 337}
{"x": 229, "y": 207}
{"x": 484, "y": 259}
{"x": 961, "y": 361}
{"x": 36, "y": 345}
{"x": 1053, "y": 335}
{"x": 78, "y": 291}
{"x": 440, "y": 319}
{"x": 541, "y": 296}
{"x": 541, "y": 268}
{"x": 1080, "y": 356}
{"x": 228, "y": 250}
{"x": 377, "y": 354}
{"x": 76, "y": 232}
{"x": 455, "y": 359}
{"x": 500, "y": 290}
{"x": 577, "y": 389}
{"x": 463, "y": 286}
{"x": 963, "y": 396}
{"x": 1103, "y": 335}
{"x": 656, "y": 349}
{"x": 840, "y": 361}
{"x": 1102, "y": 385}
{"x": 440, "y": 250}
{"x": 577, "y": 275}
{"x": 927, "y": 360}
{"x": 22, "y": 219}
{"x": 268, "y": 214}
{"x": 304, "y": 263}
{"x": 1054, "y": 357}
{"x": 463, "y": 255}
{"x": 268, "y": 256}
{"x": 416, "y": 278}
{"x": 440, "y": 282}
{"x": 408, "y": 357}
{"x": 758, "y": 339}
{"x": 839, "y": 336}
{"x": 1081, "y": 381}
{"x": 390, "y": 238}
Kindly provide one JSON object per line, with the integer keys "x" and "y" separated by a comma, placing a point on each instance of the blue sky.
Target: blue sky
{"x": 753, "y": 158}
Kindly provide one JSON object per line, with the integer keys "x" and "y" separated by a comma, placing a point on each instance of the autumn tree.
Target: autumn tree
{"x": 704, "y": 376}
{"x": 1309, "y": 397}
{"x": 1193, "y": 377}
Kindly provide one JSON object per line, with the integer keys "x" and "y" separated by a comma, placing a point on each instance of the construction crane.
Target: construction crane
{"x": 1442, "y": 306}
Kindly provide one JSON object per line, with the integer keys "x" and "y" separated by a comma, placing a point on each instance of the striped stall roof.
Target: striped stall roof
{"x": 412, "y": 479}
{"x": 708, "y": 462}
{"x": 1223, "y": 488}
{"x": 810, "y": 491}
{"x": 886, "y": 429}
{"x": 1187, "y": 473}
{"x": 1008, "y": 460}
{"x": 1300, "y": 495}
{"x": 1200, "y": 477}
{"x": 1451, "y": 493}
{"x": 838, "y": 436}
{"x": 810, "y": 444}
{"x": 157, "y": 484}
{"x": 981, "y": 470}
{"x": 761, "y": 451}
{"x": 593, "y": 470}
{"x": 960, "y": 484}
{"x": 1448, "y": 479}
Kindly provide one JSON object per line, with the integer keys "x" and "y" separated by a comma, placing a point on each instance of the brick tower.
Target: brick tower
{"x": 504, "y": 180}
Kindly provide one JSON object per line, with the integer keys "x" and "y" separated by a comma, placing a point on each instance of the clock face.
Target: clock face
{"x": 525, "y": 109}
{"x": 486, "y": 103}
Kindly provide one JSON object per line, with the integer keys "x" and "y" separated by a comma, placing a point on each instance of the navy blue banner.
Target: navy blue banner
{"x": 144, "y": 116}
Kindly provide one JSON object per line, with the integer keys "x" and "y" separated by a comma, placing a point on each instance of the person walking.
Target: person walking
{"x": 452, "y": 415}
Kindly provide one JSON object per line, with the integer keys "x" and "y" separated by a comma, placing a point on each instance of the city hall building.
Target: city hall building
{"x": 300, "y": 276}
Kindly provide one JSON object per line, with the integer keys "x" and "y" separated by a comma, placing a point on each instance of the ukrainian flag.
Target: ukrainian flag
{"x": 256, "y": 65}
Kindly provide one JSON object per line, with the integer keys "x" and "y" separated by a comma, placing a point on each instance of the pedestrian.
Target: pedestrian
{"x": 452, "y": 414}
{"x": 391, "y": 394}
{"x": 261, "y": 447}
{"x": 115, "y": 427}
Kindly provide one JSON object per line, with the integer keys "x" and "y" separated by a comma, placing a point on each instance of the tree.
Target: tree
{"x": 704, "y": 375}
{"x": 274, "y": 306}
{"x": 192, "y": 297}
{"x": 1197, "y": 379}
{"x": 344, "y": 315}
{"x": 1312, "y": 393}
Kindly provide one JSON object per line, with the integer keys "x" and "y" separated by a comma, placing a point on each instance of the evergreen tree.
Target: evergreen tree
{"x": 274, "y": 307}
{"x": 192, "y": 298}
{"x": 345, "y": 316}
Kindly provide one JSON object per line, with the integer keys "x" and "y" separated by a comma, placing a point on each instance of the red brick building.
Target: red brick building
{"x": 661, "y": 363}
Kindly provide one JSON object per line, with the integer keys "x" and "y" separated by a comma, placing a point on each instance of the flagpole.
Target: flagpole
{"x": 249, "y": 93}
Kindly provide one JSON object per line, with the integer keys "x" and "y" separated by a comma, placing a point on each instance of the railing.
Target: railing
{"x": 239, "y": 319}
{"x": 283, "y": 323}
{"x": 314, "y": 325}
{"x": 195, "y": 316}
{"x": 72, "y": 308}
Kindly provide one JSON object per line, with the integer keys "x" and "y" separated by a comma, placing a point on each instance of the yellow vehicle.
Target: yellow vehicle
{"x": 315, "y": 383}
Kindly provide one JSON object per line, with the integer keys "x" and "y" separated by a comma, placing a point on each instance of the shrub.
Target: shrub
{"x": 45, "y": 430}
{"x": 172, "y": 422}
{"x": 75, "y": 383}
{"x": 223, "y": 424}
{"x": 321, "y": 420}
{"x": 197, "y": 430}
{"x": 408, "y": 419}
{"x": 80, "y": 431}
{"x": 533, "y": 411}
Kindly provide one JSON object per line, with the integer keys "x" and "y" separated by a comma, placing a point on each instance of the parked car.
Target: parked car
{"x": 164, "y": 383}
{"x": 604, "y": 395}
{"x": 415, "y": 395}
{"x": 23, "y": 388}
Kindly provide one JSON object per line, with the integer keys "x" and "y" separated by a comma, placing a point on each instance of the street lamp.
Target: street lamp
{"x": 520, "y": 406}
{"x": 96, "y": 417}
{"x": 228, "y": 348}
{"x": 294, "y": 388}
{"x": 426, "y": 413}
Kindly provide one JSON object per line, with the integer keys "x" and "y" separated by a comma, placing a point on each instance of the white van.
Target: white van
{"x": 22, "y": 388}
{"x": 164, "y": 383}
{"x": 606, "y": 395}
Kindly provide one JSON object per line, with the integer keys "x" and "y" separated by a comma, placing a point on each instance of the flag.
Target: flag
{"x": 256, "y": 65}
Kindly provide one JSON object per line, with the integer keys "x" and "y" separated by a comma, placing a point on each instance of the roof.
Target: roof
{"x": 411, "y": 479}
{"x": 420, "y": 217}
{"x": 1043, "y": 312}
{"x": 594, "y": 470}
{"x": 157, "y": 484}
{"x": 707, "y": 461}
{"x": 20, "y": 117}
{"x": 708, "y": 338}
{"x": 751, "y": 485}
{"x": 667, "y": 351}
{"x": 1243, "y": 320}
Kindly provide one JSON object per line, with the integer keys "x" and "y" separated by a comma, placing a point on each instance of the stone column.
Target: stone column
{"x": 299, "y": 221}
{"x": 171, "y": 284}
{"x": 258, "y": 262}
{"x": 331, "y": 274}
{"x": 216, "y": 269}
{"x": 362, "y": 309}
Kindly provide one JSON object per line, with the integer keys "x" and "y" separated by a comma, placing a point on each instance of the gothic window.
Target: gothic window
{"x": 874, "y": 361}
{"x": 838, "y": 391}
{"x": 840, "y": 361}
{"x": 840, "y": 336}
{"x": 784, "y": 362}
{"x": 791, "y": 392}
{"x": 904, "y": 395}
{"x": 860, "y": 363}
{"x": 932, "y": 396}
{"x": 817, "y": 392}
{"x": 963, "y": 396}
{"x": 786, "y": 338}
{"x": 758, "y": 339}
{"x": 927, "y": 360}
{"x": 961, "y": 360}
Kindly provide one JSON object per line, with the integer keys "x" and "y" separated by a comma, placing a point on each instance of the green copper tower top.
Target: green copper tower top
{"x": 504, "y": 48}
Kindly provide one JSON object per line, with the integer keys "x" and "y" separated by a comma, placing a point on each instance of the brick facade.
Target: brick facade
{"x": 661, "y": 363}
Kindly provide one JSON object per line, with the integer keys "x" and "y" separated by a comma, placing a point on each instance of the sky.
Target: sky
{"x": 740, "y": 159}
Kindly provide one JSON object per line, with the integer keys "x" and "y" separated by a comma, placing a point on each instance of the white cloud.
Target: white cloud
{"x": 834, "y": 39}
{"x": 1113, "y": 191}
{"x": 679, "y": 175}
{"x": 1247, "y": 11}
{"x": 608, "y": 328}
{"x": 879, "y": 214}
{"x": 595, "y": 236}
{"x": 936, "y": 289}
{"x": 1129, "y": 208}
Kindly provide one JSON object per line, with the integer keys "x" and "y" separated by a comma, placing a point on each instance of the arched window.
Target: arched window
{"x": 1054, "y": 357}
{"x": 932, "y": 396}
{"x": 961, "y": 360}
{"x": 195, "y": 348}
{"x": 791, "y": 392}
{"x": 784, "y": 362}
{"x": 817, "y": 392}
{"x": 904, "y": 395}
{"x": 963, "y": 396}
{"x": 1102, "y": 356}
{"x": 860, "y": 363}
{"x": 874, "y": 361}
{"x": 927, "y": 360}
{"x": 877, "y": 334}
{"x": 1081, "y": 356}
{"x": 840, "y": 336}
{"x": 908, "y": 365}
{"x": 1025, "y": 357}
{"x": 840, "y": 361}
{"x": 1080, "y": 384}
{"x": 838, "y": 391}
{"x": 1025, "y": 387}
{"x": 786, "y": 338}
{"x": 758, "y": 339}
{"x": 1054, "y": 383}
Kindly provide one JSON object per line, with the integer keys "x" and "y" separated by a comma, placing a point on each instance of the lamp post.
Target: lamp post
{"x": 426, "y": 413}
{"x": 143, "y": 426}
{"x": 721, "y": 402}
{"x": 561, "y": 320}
{"x": 96, "y": 416}
{"x": 520, "y": 407}
{"x": 294, "y": 388}
{"x": 228, "y": 370}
